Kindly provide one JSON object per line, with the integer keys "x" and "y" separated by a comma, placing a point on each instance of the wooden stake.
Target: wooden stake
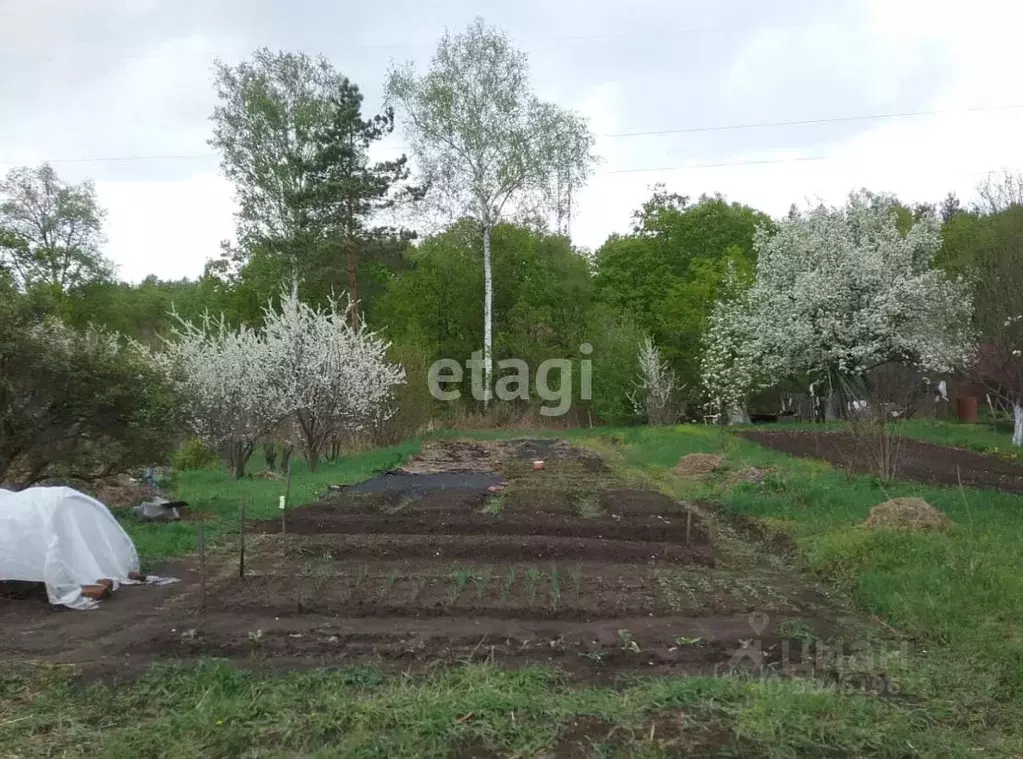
{"x": 201, "y": 539}
{"x": 241, "y": 541}
{"x": 287, "y": 486}
{"x": 285, "y": 500}
{"x": 689, "y": 522}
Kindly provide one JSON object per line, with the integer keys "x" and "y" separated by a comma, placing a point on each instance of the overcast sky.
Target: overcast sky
{"x": 128, "y": 79}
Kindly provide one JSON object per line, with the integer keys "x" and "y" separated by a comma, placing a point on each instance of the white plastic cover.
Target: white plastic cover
{"x": 63, "y": 538}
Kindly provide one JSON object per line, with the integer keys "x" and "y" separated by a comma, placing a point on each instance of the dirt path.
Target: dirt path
{"x": 465, "y": 553}
{"x": 921, "y": 462}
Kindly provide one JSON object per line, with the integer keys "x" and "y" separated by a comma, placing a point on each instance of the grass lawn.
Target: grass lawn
{"x": 957, "y": 597}
{"x": 981, "y": 437}
{"x": 214, "y": 492}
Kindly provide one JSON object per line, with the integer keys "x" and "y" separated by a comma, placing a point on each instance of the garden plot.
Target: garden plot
{"x": 918, "y": 461}
{"x": 571, "y": 564}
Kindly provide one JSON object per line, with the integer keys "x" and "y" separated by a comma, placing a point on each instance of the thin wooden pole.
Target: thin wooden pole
{"x": 241, "y": 541}
{"x": 201, "y": 538}
{"x": 285, "y": 499}
{"x": 287, "y": 486}
{"x": 689, "y": 522}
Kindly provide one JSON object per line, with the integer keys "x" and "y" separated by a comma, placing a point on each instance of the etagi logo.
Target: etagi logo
{"x": 514, "y": 383}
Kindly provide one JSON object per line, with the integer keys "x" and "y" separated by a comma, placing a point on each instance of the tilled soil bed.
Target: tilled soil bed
{"x": 921, "y": 462}
{"x": 489, "y": 559}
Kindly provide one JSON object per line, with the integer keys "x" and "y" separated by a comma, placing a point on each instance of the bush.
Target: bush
{"x": 79, "y": 404}
{"x": 195, "y": 454}
{"x": 413, "y": 404}
{"x": 615, "y": 367}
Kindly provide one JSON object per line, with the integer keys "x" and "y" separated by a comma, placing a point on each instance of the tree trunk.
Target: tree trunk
{"x": 488, "y": 308}
{"x": 286, "y": 450}
{"x": 833, "y": 407}
{"x": 237, "y": 457}
{"x": 270, "y": 454}
{"x": 738, "y": 415}
{"x": 336, "y": 444}
{"x": 1017, "y": 435}
{"x": 313, "y": 457}
{"x": 353, "y": 286}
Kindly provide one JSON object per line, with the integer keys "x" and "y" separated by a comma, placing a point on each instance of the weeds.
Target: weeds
{"x": 555, "y": 587}
{"x": 481, "y": 581}
{"x": 318, "y": 574}
{"x": 682, "y": 640}
{"x": 460, "y": 575}
{"x": 628, "y": 644}
{"x": 797, "y": 628}
{"x": 361, "y": 575}
{"x": 389, "y": 582}
{"x": 494, "y": 504}
{"x": 577, "y": 580}
{"x": 588, "y": 506}
{"x": 533, "y": 576}
{"x": 255, "y": 641}
{"x": 506, "y": 586}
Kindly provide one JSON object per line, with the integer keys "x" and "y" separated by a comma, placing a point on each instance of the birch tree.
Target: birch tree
{"x": 484, "y": 143}
{"x": 294, "y": 142}
{"x": 51, "y": 231}
{"x": 838, "y": 292}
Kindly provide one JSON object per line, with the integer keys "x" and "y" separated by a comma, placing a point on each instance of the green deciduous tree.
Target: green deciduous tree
{"x": 987, "y": 249}
{"x": 50, "y": 231}
{"x": 485, "y": 144}
{"x": 293, "y": 140}
{"x": 76, "y": 403}
{"x": 668, "y": 273}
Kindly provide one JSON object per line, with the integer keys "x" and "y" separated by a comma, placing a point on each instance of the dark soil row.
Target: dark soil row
{"x": 594, "y": 650}
{"x": 522, "y": 548}
{"x": 320, "y": 520}
{"x": 921, "y": 462}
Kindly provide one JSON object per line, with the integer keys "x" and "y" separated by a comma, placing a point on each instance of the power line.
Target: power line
{"x": 431, "y": 43}
{"x": 809, "y": 122}
{"x": 720, "y": 165}
{"x": 614, "y": 135}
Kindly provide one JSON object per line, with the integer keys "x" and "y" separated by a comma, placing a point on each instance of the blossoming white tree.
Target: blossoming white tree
{"x": 656, "y": 397}
{"x": 838, "y": 291}
{"x": 337, "y": 380}
{"x": 226, "y": 377}
{"x": 306, "y": 369}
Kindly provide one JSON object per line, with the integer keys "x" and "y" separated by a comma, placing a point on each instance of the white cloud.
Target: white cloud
{"x": 166, "y": 228}
{"x": 97, "y": 78}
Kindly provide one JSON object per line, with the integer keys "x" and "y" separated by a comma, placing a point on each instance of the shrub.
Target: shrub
{"x": 195, "y": 454}
{"x": 79, "y": 404}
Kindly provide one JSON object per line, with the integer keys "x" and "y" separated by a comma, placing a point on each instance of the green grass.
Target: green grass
{"x": 981, "y": 437}
{"x": 958, "y": 594}
{"x": 215, "y": 492}
{"x": 215, "y": 710}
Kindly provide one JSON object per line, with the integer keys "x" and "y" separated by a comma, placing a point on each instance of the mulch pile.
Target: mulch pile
{"x": 698, "y": 465}
{"x": 912, "y": 514}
